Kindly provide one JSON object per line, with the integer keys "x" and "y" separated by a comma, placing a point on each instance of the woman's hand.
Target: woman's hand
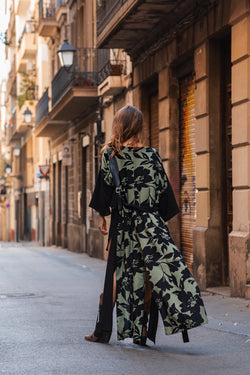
{"x": 102, "y": 225}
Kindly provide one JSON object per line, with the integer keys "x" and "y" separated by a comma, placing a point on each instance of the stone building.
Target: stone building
{"x": 186, "y": 66}
{"x": 70, "y": 114}
{"x": 24, "y": 152}
{"x": 191, "y": 79}
{"x": 67, "y": 114}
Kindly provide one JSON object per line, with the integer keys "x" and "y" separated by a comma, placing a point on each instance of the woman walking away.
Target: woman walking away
{"x": 145, "y": 272}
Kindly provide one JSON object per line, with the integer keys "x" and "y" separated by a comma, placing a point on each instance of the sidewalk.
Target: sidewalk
{"x": 228, "y": 314}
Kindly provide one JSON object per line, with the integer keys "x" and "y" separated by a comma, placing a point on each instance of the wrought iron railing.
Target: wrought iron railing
{"x": 60, "y": 3}
{"x": 11, "y": 127}
{"x": 47, "y": 9}
{"x": 109, "y": 65}
{"x": 83, "y": 74}
{"x": 106, "y": 9}
{"x": 13, "y": 120}
{"x": 8, "y": 133}
{"x": 42, "y": 108}
{"x": 30, "y": 27}
{"x": 11, "y": 78}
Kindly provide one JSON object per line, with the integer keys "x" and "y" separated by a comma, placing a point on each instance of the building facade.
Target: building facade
{"x": 187, "y": 68}
{"x": 191, "y": 81}
{"x": 23, "y": 152}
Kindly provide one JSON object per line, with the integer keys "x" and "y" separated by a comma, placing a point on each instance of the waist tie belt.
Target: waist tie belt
{"x": 140, "y": 208}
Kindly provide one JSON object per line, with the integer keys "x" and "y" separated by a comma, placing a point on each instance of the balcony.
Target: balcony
{"x": 60, "y": 3}
{"x": 134, "y": 25}
{"x": 21, "y": 126}
{"x": 27, "y": 46}
{"x": 11, "y": 133}
{"x": 47, "y": 18}
{"x": 112, "y": 71}
{"x": 42, "y": 108}
{"x": 10, "y": 32}
{"x": 11, "y": 82}
{"x": 45, "y": 127}
{"x": 61, "y": 10}
{"x": 75, "y": 91}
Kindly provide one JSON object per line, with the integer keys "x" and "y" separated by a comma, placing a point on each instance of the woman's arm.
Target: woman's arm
{"x": 104, "y": 188}
{"x": 168, "y": 206}
{"x": 102, "y": 225}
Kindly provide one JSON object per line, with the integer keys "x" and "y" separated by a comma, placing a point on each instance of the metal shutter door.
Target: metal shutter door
{"x": 154, "y": 128}
{"x": 187, "y": 168}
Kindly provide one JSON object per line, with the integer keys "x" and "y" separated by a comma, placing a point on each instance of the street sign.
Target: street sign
{"x": 44, "y": 169}
{"x": 66, "y": 155}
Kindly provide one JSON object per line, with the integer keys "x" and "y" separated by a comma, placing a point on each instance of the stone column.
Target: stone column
{"x": 239, "y": 238}
{"x": 208, "y": 233}
{"x": 202, "y": 164}
{"x": 168, "y": 95}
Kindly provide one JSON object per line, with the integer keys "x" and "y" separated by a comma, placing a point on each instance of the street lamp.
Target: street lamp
{"x": 16, "y": 150}
{"x": 2, "y": 180}
{"x": 27, "y": 116}
{"x": 66, "y": 54}
{"x": 8, "y": 169}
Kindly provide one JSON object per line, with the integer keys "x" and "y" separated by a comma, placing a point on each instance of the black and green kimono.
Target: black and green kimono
{"x": 140, "y": 242}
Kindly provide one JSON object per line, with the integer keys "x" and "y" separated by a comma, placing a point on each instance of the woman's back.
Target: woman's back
{"x": 142, "y": 176}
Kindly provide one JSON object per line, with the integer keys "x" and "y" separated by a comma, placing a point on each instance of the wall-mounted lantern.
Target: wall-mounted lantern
{"x": 2, "y": 180}
{"x": 8, "y": 169}
{"x": 66, "y": 54}
{"x": 27, "y": 116}
{"x": 16, "y": 150}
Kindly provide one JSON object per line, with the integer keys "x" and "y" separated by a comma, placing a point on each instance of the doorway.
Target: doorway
{"x": 187, "y": 168}
{"x": 153, "y": 121}
{"x": 226, "y": 148}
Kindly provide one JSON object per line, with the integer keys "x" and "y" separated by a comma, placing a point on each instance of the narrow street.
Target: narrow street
{"x": 49, "y": 300}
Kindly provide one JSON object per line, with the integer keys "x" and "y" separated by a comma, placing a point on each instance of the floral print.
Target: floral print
{"x": 143, "y": 242}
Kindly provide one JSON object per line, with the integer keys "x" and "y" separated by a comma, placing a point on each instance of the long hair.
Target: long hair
{"x": 128, "y": 123}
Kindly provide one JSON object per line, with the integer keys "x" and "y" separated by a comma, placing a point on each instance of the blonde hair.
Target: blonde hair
{"x": 127, "y": 124}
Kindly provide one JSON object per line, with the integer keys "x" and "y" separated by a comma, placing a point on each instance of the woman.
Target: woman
{"x": 145, "y": 271}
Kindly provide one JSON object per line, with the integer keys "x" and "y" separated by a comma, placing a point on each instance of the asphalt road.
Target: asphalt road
{"x": 48, "y": 302}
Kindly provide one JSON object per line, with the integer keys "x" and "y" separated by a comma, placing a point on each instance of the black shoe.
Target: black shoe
{"x": 185, "y": 336}
{"x": 143, "y": 339}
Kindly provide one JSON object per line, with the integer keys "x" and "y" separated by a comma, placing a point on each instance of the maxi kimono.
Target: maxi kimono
{"x": 140, "y": 246}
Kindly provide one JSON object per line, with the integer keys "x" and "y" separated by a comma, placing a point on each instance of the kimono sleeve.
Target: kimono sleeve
{"x": 168, "y": 206}
{"x": 104, "y": 188}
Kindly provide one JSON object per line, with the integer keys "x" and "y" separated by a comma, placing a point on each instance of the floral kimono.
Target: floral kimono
{"x": 142, "y": 246}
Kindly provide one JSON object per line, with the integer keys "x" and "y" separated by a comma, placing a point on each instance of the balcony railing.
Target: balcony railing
{"x": 27, "y": 46}
{"x": 84, "y": 73}
{"x": 47, "y": 9}
{"x": 29, "y": 27}
{"x": 9, "y": 133}
{"x": 109, "y": 66}
{"x": 105, "y": 12}
{"x": 60, "y": 3}
{"x": 42, "y": 108}
{"x": 11, "y": 127}
{"x": 10, "y": 87}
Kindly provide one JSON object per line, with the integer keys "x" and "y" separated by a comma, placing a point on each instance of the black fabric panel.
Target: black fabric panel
{"x": 102, "y": 196}
{"x": 168, "y": 206}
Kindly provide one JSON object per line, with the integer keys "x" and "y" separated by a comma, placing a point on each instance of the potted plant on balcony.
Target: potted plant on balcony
{"x": 116, "y": 63}
{"x": 27, "y": 88}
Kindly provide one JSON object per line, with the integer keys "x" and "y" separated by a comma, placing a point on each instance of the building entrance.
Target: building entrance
{"x": 187, "y": 168}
